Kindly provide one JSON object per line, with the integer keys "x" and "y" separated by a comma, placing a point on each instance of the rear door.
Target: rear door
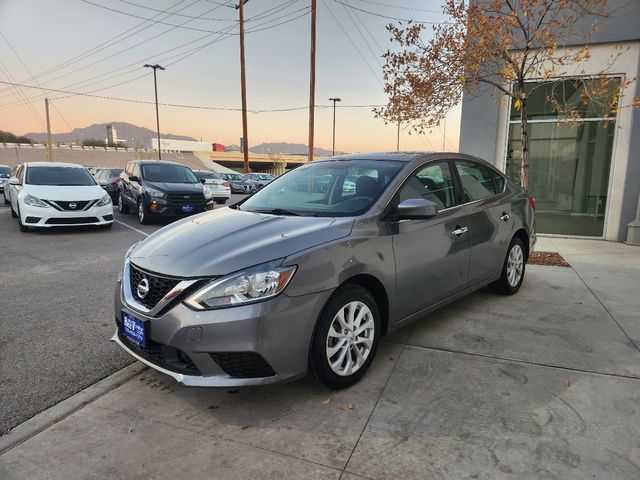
{"x": 490, "y": 219}
{"x": 431, "y": 255}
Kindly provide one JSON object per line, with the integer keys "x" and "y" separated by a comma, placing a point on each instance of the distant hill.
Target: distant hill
{"x": 283, "y": 148}
{"x": 141, "y": 136}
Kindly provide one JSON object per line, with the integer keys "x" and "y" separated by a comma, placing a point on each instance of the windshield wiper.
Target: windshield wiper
{"x": 278, "y": 211}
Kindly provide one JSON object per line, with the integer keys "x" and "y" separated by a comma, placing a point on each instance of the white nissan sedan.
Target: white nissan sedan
{"x": 47, "y": 194}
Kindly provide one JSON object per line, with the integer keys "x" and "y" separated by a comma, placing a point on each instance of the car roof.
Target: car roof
{"x": 53, "y": 164}
{"x": 381, "y": 156}
{"x": 155, "y": 162}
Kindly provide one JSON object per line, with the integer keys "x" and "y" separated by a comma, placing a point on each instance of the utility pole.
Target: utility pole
{"x": 155, "y": 86}
{"x": 444, "y": 133}
{"x": 243, "y": 81}
{"x": 398, "y": 139}
{"x": 49, "y": 149}
{"x": 334, "y": 100}
{"x": 312, "y": 78}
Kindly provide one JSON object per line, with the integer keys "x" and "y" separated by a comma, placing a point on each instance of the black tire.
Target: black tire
{"x": 122, "y": 204}
{"x": 503, "y": 285}
{"x": 143, "y": 215}
{"x": 6, "y": 202}
{"x": 319, "y": 362}
{"x": 13, "y": 213}
{"x": 220, "y": 201}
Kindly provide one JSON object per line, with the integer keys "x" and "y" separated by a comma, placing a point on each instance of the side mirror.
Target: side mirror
{"x": 133, "y": 178}
{"x": 203, "y": 181}
{"x": 14, "y": 181}
{"x": 417, "y": 209}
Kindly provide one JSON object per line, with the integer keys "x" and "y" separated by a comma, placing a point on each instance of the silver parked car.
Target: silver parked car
{"x": 295, "y": 278}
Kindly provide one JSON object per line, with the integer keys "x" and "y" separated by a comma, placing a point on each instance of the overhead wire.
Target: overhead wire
{"x": 26, "y": 102}
{"x": 388, "y": 17}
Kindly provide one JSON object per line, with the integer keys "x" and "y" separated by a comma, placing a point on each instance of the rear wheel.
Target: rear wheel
{"x": 122, "y": 206}
{"x": 513, "y": 269}
{"x": 6, "y": 202}
{"x": 346, "y": 337}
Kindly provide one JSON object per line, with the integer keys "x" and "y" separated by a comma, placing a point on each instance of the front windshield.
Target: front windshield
{"x": 328, "y": 189}
{"x": 59, "y": 176}
{"x": 5, "y": 172}
{"x": 163, "y": 172}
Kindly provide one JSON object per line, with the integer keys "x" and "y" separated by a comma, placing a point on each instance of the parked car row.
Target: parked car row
{"x": 45, "y": 194}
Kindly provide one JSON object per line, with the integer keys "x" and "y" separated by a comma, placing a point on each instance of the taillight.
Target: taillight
{"x": 225, "y": 184}
{"x": 532, "y": 202}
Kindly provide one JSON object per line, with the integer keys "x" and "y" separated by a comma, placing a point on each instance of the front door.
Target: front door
{"x": 432, "y": 255}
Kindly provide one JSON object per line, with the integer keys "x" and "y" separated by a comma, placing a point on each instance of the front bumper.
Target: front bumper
{"x": 50, "y": 217}
{"x": 279, "y": 331}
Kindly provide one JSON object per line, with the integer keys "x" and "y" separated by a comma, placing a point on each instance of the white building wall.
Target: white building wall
{"x": 168, "y": 145}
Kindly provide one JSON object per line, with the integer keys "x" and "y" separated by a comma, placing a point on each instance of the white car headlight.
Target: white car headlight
{"x": 34, "y": 201}
{"x": 104, "y": 201}
{"x": 252, "y": 285}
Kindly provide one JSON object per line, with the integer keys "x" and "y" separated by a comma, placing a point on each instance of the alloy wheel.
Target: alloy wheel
{"x": 141, "y": 212}
{"x": 350, "y": 338}
{"x": 515, "y": 265}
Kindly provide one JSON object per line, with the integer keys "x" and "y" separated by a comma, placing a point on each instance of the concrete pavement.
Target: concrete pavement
{"x": 540, "y": 385}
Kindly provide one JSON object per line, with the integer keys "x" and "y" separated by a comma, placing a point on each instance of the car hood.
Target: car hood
{"x": 175, "y": 187}
{"x": 227, "y": 240}
{"x": 64, "y": 192}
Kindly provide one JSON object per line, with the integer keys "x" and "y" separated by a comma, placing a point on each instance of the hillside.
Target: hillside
{"x": 132, "y": 134}
{"x": 284, "y": 148}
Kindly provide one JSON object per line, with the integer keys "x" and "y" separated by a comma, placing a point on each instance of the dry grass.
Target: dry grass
{"x": 547, "y": 258}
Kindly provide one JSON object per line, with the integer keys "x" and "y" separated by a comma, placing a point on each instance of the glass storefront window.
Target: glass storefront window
{"x": 569, "y": 174}
{"x": 569, "y": 162}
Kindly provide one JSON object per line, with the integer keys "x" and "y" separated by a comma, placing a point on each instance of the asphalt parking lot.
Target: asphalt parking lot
{"x": 57, "y": 311}
{"x": 540, "y": 385}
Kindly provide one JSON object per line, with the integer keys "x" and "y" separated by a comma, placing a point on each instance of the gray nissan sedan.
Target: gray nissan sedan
{"x": 309, "y": 272}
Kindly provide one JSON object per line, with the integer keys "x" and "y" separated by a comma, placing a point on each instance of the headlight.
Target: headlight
{"x": 34, "y": 202}
{"x": 155, "y": 193}
{"x": 208, "y": 192}
{"x": 253, "y": 285}
{"x": 104, "y": 201}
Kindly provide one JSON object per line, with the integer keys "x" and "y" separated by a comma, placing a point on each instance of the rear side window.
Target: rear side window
{"x": 433, "y": 182}
{"x": 477, "y": 181}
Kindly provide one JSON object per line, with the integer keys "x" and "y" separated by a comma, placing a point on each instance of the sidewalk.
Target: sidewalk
{"x": 543, "y": 384}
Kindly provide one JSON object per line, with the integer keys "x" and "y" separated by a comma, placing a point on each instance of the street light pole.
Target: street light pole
{"x": 334, "y": 100}
{"x": 155, "y": 86}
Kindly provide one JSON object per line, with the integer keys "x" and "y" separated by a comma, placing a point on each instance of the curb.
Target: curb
{"x": 53, "y": 415}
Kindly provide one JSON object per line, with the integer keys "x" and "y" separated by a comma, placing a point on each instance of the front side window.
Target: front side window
{"x": 59, "y": 176}
{"x": 477, "y": 182}
{"x": 432, "y": 182}
{"x": 327, "y": 188}
{"x": 167, "y": 173}
{"x": 5, "y": 172}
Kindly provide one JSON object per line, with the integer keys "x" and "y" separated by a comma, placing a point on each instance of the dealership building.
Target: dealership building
{"x": 584, "y": 174}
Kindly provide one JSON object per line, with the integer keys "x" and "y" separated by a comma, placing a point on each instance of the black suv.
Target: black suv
{"x": 154, "y": 188}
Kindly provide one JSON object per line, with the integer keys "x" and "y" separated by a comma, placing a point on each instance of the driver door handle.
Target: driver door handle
{"x": 505, "y": 216}
{"x": 459, "y": 231}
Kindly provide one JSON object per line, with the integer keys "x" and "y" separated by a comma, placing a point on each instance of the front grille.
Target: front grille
{"x": 71, "y": 220}
{"x": 185, "y": 199}
{"x": 243, "y": 364}
{"x": 67, "y": 205}
{"x": 164, "y": 356}
{"x": 32, "y": 219}
{"x": 158, "y": 286}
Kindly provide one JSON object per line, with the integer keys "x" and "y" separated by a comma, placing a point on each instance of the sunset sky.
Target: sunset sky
{"x": 78, "y": 46}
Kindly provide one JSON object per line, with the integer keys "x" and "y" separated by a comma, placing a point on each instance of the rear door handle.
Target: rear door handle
{"x": 459, "y": 231}
{"x": 505, "y": 217}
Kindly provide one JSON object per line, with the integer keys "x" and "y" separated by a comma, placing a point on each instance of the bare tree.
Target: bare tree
{"x": 502, "y": 44}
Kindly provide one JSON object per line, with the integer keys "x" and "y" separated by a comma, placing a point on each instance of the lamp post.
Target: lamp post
{"x": 155, "y": 85}
{"x": 334, "y": 100}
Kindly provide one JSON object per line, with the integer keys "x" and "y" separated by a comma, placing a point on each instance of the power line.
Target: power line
{"x": 181, "y": 14}
{"x": 366, "y": 42}
{"x": 27, "y": 103}
{"x": 372, "y": 2}
{"x": 388, "y": 17}
{"x": 353, "y": 43}
{"x": 178, "y": 105}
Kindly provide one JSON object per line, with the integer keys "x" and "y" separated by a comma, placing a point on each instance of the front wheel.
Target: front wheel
{"x": 143, "y": 216}
{"x": 513, "y": 268}
{"x": 122, "y": 207}
{"x": 346, "y": 337}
